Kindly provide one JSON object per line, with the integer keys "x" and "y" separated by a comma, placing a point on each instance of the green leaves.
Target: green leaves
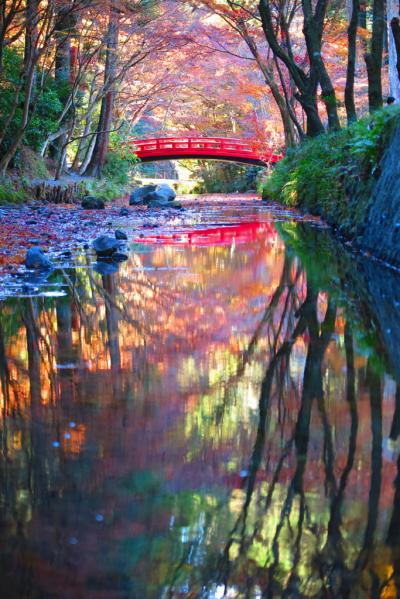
{"x": 49, "y": 105}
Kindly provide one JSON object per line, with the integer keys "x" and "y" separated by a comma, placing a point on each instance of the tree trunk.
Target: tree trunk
{"x": 312, "y": 29}
{"x": 373, "y": 58}
{"x": 308, "y": 103}
{"x": 63, "y": 28}
{"x": 31, "y": 15}
{"x": 306, "y": 84}
{"x": 394, "y": 66}
{"x": 290, "y": 138}
{"x": 289, "y": 104}
{"x": 79, "y": 160}
{"x": 88, "y": 155}
{"x": 362, "y": 19}
{"x": 107, "y": 104}
{"x": 288, "y": 128}
{"x": 351, "y": 62}
{"x": 10, "y": 153}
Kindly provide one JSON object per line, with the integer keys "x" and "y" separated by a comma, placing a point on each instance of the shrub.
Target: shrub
{"x": 333, "y": 174}
{"x": 119, "y": 162}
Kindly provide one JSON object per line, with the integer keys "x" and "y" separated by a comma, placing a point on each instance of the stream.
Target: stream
{"x": 217, "y": 416}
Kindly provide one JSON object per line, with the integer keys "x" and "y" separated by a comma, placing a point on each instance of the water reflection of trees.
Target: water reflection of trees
{"x": 339, "y": 565}
{"x": 309, "y": 514}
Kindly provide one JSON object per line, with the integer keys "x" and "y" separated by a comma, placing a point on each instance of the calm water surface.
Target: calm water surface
{"x": 218, "y": 418}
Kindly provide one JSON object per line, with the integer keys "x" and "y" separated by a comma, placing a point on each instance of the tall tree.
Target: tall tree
{"x": 374, "y": 57}
{"x": 351, "y": 61}
{"x": 107, "y": 104}
{"x": 64, "y": 29}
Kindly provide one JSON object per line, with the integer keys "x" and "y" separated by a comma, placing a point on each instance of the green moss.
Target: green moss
{"x": 9, "y": 194}
{"x": 333, "y": 175}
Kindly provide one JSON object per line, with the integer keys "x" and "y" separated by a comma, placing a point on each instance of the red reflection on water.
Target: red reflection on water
{"x": 223, "y": 235}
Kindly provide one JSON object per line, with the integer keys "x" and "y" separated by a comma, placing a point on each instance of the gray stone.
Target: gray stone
{"x": 106, "y": 246}
{"x": 119, "y": 257}
{"x": 163, "y": 194}
{"x": 92, "y": 203}
{"x": 137, "y": 196}
{"x": 105, "y": 268}
{"x": 124, "y": 212}
{"x": 36, "y": 259}
{"x": 165, "y": 191}
{"x": 156, "y": 202}
{"x": 120, "y": 234}
{"x": 177, "y": 205}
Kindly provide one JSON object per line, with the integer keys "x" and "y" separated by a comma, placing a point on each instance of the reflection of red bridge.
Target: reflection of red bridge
{"x": 241, "y": 233}
{"x": 215, "y": 148}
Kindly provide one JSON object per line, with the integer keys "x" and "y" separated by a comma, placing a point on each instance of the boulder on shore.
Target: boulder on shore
{"x": 106, "y": 246}
{"x": 92, "y": 203}
{"x": 153, "y": 195}
{"x": 36, "y": 259}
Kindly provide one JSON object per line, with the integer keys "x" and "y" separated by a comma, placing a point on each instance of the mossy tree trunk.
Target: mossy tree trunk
{"x": 373, "y": 58}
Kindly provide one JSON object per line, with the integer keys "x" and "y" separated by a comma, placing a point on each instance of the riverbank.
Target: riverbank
{"x": 343, "y": 176}
{"x": 65, "y": 232}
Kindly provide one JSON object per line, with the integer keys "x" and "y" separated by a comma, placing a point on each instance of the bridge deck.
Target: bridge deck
{"x": 216, "y": 148}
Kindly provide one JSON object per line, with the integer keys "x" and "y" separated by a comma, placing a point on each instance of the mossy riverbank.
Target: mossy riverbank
{"x": 335, "y": 175}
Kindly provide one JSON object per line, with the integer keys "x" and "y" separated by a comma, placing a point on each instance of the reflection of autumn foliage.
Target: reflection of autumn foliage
{"x": 203, "y": 419}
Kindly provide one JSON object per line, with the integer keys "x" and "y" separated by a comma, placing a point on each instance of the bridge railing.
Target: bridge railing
{"x": 193, "y": 145}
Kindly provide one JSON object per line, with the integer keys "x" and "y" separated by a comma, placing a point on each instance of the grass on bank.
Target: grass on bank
{"x": 333, "y": 175}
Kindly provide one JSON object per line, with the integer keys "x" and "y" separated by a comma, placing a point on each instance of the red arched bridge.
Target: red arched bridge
{"x": 214, "y": 148}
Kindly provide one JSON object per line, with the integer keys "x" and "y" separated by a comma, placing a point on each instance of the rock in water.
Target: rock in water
{"x": 149, "y": 194}
{"x": 137, "y": 196}
{"x": 106, "y": 246}
{"x": 105, "y": 268}
{"x": 175, "y": 204}
{"x": 120, "y": 234}
{"x": 36, "y": 259}
{"x": 165, "y": 191}
{"x": 92, "y": 203}
{"x": 156, "y": 202}
{"x": 119, "y": 257}
{"x": 124, "y": 212}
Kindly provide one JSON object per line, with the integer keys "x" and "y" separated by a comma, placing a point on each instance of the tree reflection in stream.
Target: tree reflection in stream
{"x": 210, "y": 421}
